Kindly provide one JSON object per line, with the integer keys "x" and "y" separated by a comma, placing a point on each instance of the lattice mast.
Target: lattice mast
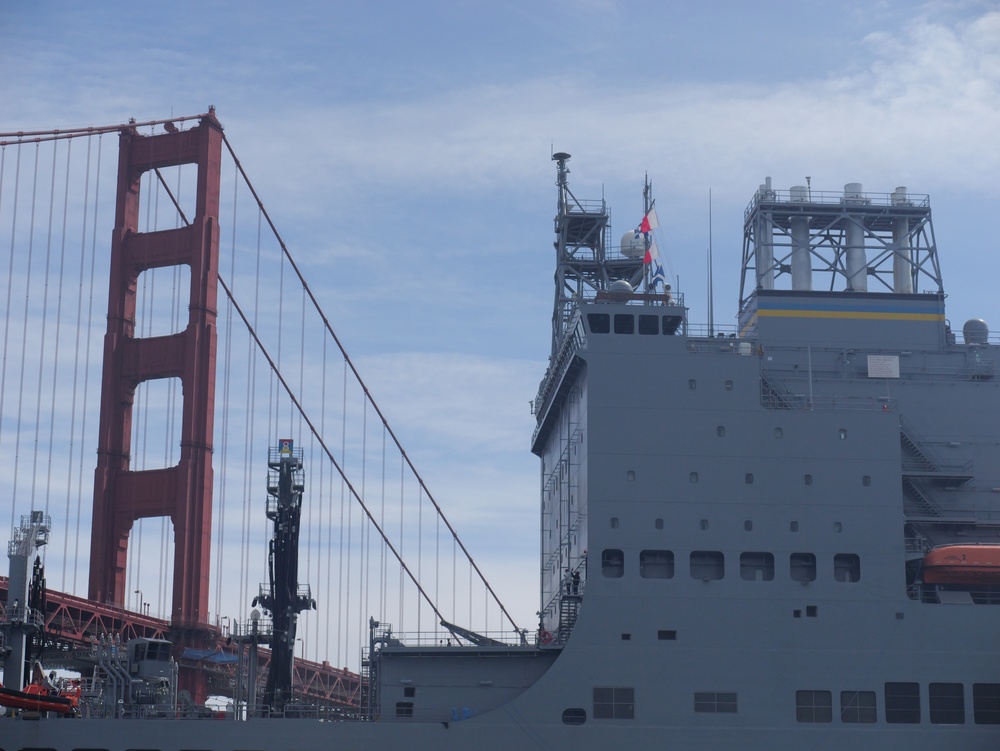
{"x": 585, "y": 264}
{"x": 282, "y": 597}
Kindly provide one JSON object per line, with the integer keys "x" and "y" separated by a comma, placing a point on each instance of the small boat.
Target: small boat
{"x": 37, "y": 698}
{"x": 963, "y": 564}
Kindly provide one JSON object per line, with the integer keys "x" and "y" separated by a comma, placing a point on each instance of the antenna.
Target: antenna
{"x": 711, "y": 302}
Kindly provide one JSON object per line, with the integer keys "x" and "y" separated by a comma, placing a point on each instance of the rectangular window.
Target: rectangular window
{"x": 614, "y": 703}
{"x": 707, "y": 565}
{"x": 814, "y": 706}
{"x": 715, "y": 702}
{"x": 986, "y": 703}
{"x": 404, "y": 709}
{"x": 902, "y": 703}
{"x": 624, "y": 323}
{"x": 802, "y": 567}
{"x": 757, "y": 566}
{"x": 857, "y": 706}
{"x": 613, "y": 564}
{"x": 947, "y": 703}
{"x": 656, "y": 564}
{"x": 846, "y": 567}
{"x": 649, "y": 324}
{"x": 599, "y": 323}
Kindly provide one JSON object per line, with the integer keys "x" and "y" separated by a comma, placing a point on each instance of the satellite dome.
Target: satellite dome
{"x": 633, "y": 246}
{"x": 976, "y": 331}
{"x": 620, "y": 285}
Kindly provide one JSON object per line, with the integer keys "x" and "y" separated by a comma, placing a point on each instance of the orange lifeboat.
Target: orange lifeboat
{"x": 963, "y": 564}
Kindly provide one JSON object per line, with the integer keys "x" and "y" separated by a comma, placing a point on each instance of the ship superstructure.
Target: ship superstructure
{"x": 783, "y": 535}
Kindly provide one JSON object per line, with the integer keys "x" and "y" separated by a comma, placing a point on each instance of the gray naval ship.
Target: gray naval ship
{"x": 780, "y": 536}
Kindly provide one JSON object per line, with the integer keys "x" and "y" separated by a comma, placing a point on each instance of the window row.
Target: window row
{"x": 945, "y": 704}
{"x": 626, "y": 323}
{"x": 710, "y": 565}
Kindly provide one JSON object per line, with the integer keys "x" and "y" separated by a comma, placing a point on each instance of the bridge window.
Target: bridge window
{"x": 902, "y": 703}
{"x": 947, "y": 703}
{"x": 613, "y": 564}
{"x": 857, "y": 707}
{"x": 846, "y": 567}
{"x": 574, "y": 716}
{"x": 649, "y": 324}
{"x": 986, "y": 703}
{"x": 757, "y": 566}
{"x": 614, "y": 703}
{"x": 624, "y": 323}
{"x": 802, "y": 567}
{"x": 656, "y": 564}
{"x": 715, "y": 702}
{"x": 707, "y": 565}
{"x": 599, "y": 323}
{"x": 813, "y": 706}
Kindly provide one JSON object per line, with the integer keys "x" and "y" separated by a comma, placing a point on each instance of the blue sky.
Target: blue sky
{"x": 403, "y": 150}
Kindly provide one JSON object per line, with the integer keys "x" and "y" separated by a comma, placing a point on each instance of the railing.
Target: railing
{"x": 835, "y": 198}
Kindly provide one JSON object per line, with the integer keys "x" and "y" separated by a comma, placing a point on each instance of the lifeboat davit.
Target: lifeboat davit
{"x": 963, "y": 564}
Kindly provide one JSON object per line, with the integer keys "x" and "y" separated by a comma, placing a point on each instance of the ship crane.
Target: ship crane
{"x": 283, "y": 598}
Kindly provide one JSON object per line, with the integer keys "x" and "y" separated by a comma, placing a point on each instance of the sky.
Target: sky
{"x": 403, "y": 150}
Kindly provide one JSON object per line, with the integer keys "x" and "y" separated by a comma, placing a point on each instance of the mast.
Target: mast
{"x": 284, "y": 599}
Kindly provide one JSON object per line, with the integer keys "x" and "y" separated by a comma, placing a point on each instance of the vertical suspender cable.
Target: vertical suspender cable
{"x": 10, "y": 283}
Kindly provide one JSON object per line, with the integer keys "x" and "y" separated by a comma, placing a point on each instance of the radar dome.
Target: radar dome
{"x": 976, "y": 331}
{"x": 633, "y": 246}
{"x": 620, "y": 285}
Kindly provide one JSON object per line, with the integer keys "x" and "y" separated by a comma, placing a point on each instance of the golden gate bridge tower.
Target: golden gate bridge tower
{"x": 182, "y": 492}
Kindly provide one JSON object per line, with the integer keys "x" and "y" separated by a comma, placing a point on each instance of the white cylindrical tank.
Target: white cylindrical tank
{"x": 799, "y": 193}
{"x": 856, "y": 261}
{"x": 633, "y": 246}
{"x": 801, "y": 260}
{"x": 976, "y": 331}
{"x": 902, "y": 263}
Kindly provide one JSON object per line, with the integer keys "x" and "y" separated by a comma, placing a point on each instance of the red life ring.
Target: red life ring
{"x": 545, "y": 637}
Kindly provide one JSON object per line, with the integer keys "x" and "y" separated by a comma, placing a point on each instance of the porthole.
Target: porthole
{"x": 574, "y": 716}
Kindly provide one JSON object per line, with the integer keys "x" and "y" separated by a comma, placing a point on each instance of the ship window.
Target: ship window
{"x": 656, "y": 564}
{"x": 947, "y": 703}
{"x": 626, "y": 637}
{"x": 808, "y": 479}
{"x": 843, "y": 434}
{"x": 721, "y": 431}
{"x": 778, "y": 432}
{"x": 666, "y": 635}
{"x": 574, "y": 716}
{"x": 813, "y": 706}
{"x": 707, "y": 565}
{"x": 757, "y": 566}
{"x": 986, "y": 703}
{"x": 630, "y": 475}
{"x": 613, "y": 564}
{"x": 649, "y": 324}
{"x": 748, "y": 478}
{"x": 715, "y": 702}
{"x": 670, "y": 324}
{"x": 812, "y": 611}
{"x": 693, "y": 477}
{"x": 409, "y": 691}
{"x": 404, "y": 709}
{"x": 624, "y": 323}
{"x": 658, "y": 523}
{"x": 902, "y": 703}
{"x": 748, "y": 526}
{"x": 692, "y": 384}
{"x": 729, "y": 385}
{"x": 614, "y": 522}
{"x": 857, "y": 706}
{"x": 614, "y": 703}
{"x": 793, "y": 526}
{"x": 866, "y": 480}
{"x": 846, "y": 567}
{"x": 704, "y": 524}
{"x": 599, "y": 323}
{"x": 802, "y": 567}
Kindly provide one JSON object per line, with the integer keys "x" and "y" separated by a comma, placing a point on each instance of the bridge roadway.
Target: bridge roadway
{"x": 73, "y": 623}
